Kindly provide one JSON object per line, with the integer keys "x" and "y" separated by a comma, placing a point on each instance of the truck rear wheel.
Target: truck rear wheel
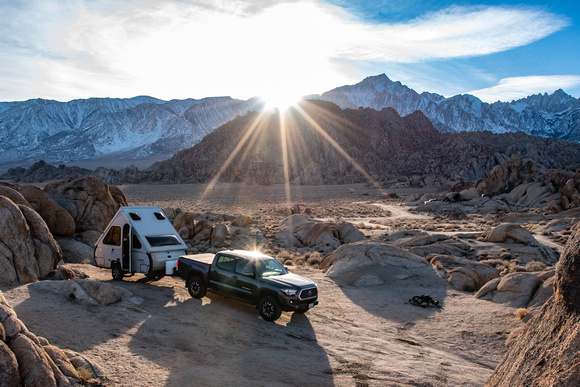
{"x": 117, "y": 272}
{"x": 269, "y": 308}
{"x": 196, "y": 287}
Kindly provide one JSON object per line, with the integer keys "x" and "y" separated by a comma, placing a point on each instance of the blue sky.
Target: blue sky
{"x": 175, "y": 49}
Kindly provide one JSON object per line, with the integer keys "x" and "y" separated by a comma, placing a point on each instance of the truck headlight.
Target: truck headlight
{"x": 289, "y": 292}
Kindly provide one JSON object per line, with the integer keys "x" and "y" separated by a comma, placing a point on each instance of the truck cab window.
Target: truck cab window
{"x": 225, "y": 262}
{"x": 244, "y": 267}
{"x": 113, "y": 237}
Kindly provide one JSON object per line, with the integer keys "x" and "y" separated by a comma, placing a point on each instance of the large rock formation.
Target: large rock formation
{"x": 545, "y": 351}
{"x": 87, "y": 199}
{"x": 299, "y": 231}
{"x": 28, "y": 251}
{"x": 30, "y": 360}
{"x": 370, "y": 262}
{"x": 58, "y": 220}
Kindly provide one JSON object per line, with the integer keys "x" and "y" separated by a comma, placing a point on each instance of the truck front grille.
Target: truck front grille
{"x": 308, "y": 293}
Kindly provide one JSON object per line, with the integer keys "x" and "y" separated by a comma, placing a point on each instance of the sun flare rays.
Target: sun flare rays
{"x": 287, "y": 147}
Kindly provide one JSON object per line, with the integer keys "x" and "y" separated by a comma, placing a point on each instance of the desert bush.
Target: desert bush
{"x": 521, "y": 313}
{"x": 535, "y": 266}
{"x": 497, "y": 263}
{"x": 85, "y": 375}
{"x": 314, "y": 259}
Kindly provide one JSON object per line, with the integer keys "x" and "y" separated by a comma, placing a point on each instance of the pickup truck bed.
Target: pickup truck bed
{"x": 250, "y": 277}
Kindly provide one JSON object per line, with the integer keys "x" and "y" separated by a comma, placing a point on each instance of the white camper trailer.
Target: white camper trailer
{"x": 138, "y": 240}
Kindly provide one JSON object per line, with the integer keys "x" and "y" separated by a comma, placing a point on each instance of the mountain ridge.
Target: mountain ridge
{"x": 147, "y": 128}
{"x": 554, "y": 115}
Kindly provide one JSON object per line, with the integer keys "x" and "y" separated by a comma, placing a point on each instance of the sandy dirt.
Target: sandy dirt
{"x": 356, "y": 336}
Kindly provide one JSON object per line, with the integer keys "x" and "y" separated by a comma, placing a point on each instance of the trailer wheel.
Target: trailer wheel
{"x": 196, "y": 287}
{"x": 269, "y": 308}
{"x": 117, "y": 272}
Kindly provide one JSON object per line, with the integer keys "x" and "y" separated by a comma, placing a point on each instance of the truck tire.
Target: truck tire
{"x": 117, "y": 272}
{"x": 196, "y": 287}
{"x": 269, "y": 308}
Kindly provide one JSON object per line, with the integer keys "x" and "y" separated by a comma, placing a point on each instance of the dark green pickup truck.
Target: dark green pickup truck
{"x": 250, "y": 277}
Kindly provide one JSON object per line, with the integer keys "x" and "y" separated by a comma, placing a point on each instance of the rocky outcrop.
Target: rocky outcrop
{"x": 532, "y": 249}
{"x": 87, "y": 199}
{"x": 464, "y": 274}
{"x": 74, "y": 251}
{"x": 508, "y": 175}
{"x": 299, "y": 231}
{"x": 369, "y": 262}
{"x": 84, "y": 291}
{"x": 515, "y": 289}
{"x": 13, "y": 194}
{"x": 424, "y": 245}
{"x": 58, "y": 220}
{"x": 545, "y": 351}
{"x": 510, "y": 233}
{"x": 30, "y": 360}
{"x": 28, "y": 251}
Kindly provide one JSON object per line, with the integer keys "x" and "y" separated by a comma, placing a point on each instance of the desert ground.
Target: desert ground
{"x": 357, "y": 335}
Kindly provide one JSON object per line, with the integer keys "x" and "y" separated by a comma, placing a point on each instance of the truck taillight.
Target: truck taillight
{"x": 177, "y": 263}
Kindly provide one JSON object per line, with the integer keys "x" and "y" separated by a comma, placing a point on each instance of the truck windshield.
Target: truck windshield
{"x": 162, "y": 240}
{"x": 269, "y": 268}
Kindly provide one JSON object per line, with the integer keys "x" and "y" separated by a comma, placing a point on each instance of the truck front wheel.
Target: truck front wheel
{"x": 196, "y": 287}
{"x": 117, "y": 272}
{"x": 269, "y": 308}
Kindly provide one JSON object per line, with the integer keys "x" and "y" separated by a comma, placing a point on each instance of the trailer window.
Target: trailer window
{"x": 225, "y": 262}
{"x": 134, "y": 216}
{"x": 159, "y": 215}
{"x": 113, "y": 237}
{"x": 162, "y": 240}
{"x": 136, "y": 242}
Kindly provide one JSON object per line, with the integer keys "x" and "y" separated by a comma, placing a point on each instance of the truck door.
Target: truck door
{"x": 222, "y": 273}
{"x": 245, "y": 280}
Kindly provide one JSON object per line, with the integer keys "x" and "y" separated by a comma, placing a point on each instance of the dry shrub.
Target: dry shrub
{"x": 497, "y": 263}
{"x": 288, "y": 262}
{"x": 521, "y": 313}
{"x": 535, "y": 266}
{"x": 84, "y": 375}
{"x": 314, "y": 259}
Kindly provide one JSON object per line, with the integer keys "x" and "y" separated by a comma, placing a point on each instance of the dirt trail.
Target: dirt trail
{"x": 400, "y": 212}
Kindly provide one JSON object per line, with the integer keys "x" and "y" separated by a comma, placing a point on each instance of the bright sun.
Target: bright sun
{"x": 281, "y": 101}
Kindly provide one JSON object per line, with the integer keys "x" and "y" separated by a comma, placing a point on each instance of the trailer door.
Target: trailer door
{"x": 110, "y": 248}
{"x": 126, "y": 260}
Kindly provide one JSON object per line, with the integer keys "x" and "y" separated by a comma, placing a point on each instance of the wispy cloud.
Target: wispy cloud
{"x": 178, "y": 49}
{"x": 520, "y": 87}
{"x": 451, "y": 33}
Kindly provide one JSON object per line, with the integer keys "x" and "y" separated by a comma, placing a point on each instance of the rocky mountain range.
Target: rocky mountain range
{"x": 319, "y": 143}
{"x": 556, "y": 115}
{"x": 133, "y": 128}
{"x": 124, "y": 131}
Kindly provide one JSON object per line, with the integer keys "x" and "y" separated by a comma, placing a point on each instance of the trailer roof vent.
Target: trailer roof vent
{"x": 134, "y": 216}
{"x": 159, "y": 215}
